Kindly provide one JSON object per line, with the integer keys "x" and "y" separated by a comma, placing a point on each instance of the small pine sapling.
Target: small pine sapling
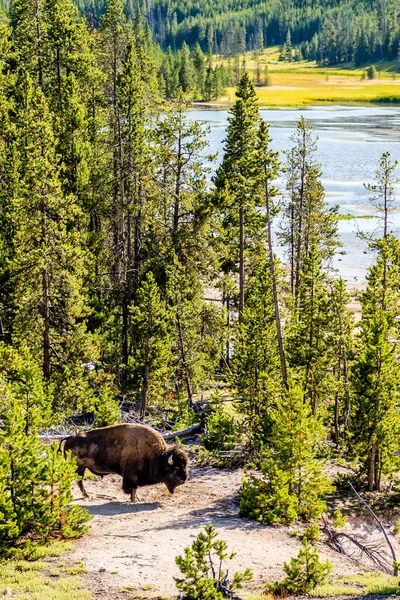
{"x": 303, "y": 573}
{"x": 204, "y": 577}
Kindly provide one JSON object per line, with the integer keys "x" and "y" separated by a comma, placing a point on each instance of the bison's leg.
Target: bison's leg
{"x": 129, "y": 485}
{"x": 81, "y": 473}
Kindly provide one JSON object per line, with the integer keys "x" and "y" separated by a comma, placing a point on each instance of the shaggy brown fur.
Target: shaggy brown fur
{"x": 137, "y": 452}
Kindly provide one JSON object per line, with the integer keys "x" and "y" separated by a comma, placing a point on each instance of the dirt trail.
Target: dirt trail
{"x": 135, "y": 545}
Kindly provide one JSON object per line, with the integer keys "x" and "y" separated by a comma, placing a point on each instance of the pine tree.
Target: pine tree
{"x": 309, "y": 222}
{"x": 255, "y": 362}
{"x": 28, "y": 30}
{"x": 375, "y": 420}
{"x": 199, "y": 64}
{"x": 35, "y": 481}
{"x": 150, "y": 363}
{"x": 26, "y": 383}
{"x": 136, "y": 91}
{"x": 186, "y": 73}
{"x": 293, "y": 483}
{"x": 382, "y": 190}
{"x": 269, "y": 168}
{"x": 183, "y": 203}
{"x": 309, "y": 342}
{"x": 235, "y": 182}
{"x": 46, "y": 249}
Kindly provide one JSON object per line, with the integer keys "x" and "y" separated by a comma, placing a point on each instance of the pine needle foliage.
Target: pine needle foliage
{"x": 303, "y": 573}
{"x": 35, "y": 481}
{"x": 205, "y": 577}
{"x": 293, "y": 484}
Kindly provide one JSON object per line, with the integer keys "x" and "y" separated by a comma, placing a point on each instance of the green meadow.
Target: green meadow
{"x": 305, "y": 83}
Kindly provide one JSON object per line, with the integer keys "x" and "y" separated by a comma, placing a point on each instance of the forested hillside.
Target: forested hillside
{"x": 330, "y": 31}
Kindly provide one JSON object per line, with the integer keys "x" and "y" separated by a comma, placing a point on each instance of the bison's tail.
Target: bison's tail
{"x": 61, "y": 442}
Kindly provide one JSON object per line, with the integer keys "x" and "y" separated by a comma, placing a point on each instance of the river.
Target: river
{"x": 351, "y": 139}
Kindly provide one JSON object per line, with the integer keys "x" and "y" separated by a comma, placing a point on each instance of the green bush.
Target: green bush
{"x": 222, "y": 430}
{"x": 372, "y": 72}
{"x": 338, "y": 519}
{"x": 303, "y": 573}
{"x": 202, "y": 568}
{"x": 35, "y": 485}
{"x": 107, "y": 408}
{"x": 268, "y": 500}
{"x": 313, "y": 533}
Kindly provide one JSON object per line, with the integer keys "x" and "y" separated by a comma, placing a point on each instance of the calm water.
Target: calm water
{"x": 351, "y": 141}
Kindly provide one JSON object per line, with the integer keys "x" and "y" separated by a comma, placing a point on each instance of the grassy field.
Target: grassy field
{"x": 304, "y": 83}
{"x": 43, "y": 579}
{"x": 359, "y": 585}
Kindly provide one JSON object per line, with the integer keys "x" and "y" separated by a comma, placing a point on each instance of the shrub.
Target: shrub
{"x": 397, "y": 526}
{"x": 292, "y": 483}
{"x": 338, "y": 519}
{"x": 372, "y": 72}
{"x": 313, "y": 533}
{"x": 107, "y": 408}
{"x": 303, "y": 573}
{"x": 268, "y": 500}
{"x": 35, "y": 486}
{"x": 204, "y": 576}
{"x": 222, "y": 431}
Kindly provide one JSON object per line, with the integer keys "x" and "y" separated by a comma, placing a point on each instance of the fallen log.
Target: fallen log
{"x": 195, "y": 428}
{"x": 170, "y": 435}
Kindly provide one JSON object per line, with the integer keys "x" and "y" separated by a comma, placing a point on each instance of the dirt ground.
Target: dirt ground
{"x": 130, "y": 549}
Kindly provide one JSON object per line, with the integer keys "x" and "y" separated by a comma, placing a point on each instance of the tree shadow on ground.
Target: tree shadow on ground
{"x": 223, "y": 512}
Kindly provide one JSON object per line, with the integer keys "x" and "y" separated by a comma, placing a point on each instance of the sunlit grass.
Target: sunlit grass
{"x": 363, "y": 584}
{"x": 304, "y": 83}
{"x": 348, "y": 217}
{"x": 314, "y": 92}
{"x": 41, "y": 580}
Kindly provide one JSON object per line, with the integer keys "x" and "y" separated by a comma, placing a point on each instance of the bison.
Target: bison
{"x": 137, "y": 452}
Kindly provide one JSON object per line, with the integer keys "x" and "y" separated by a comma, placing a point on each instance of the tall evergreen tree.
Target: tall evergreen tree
{"x": 47, "y": 262}
{"x": 236, "y": 195}
{"x": 269, "y": 169}
{"x": 308, "y": 221}
{"x": 375, "y": 421}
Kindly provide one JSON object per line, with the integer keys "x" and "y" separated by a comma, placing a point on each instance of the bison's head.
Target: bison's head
{"x": 175, "y": 468}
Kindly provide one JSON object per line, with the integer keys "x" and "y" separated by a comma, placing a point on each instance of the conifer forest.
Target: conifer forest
{"x": 145, "y": 280}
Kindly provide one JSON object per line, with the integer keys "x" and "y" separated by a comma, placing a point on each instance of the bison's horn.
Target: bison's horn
{"x": 170, "y": 460}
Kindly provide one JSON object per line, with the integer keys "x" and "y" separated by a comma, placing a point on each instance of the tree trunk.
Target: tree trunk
{"x": 46, "y": 323}
{"x": 241, "y": 263}
{"x": 145, "y": 381}
{"x": 371, "y": 467}
{"x": 228, "y": 327}
{"x": 39, "y": 44}
{"x": 184, "y": 362}
{"x": 282, "y": 356}
{"x": 299, "y": 232}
